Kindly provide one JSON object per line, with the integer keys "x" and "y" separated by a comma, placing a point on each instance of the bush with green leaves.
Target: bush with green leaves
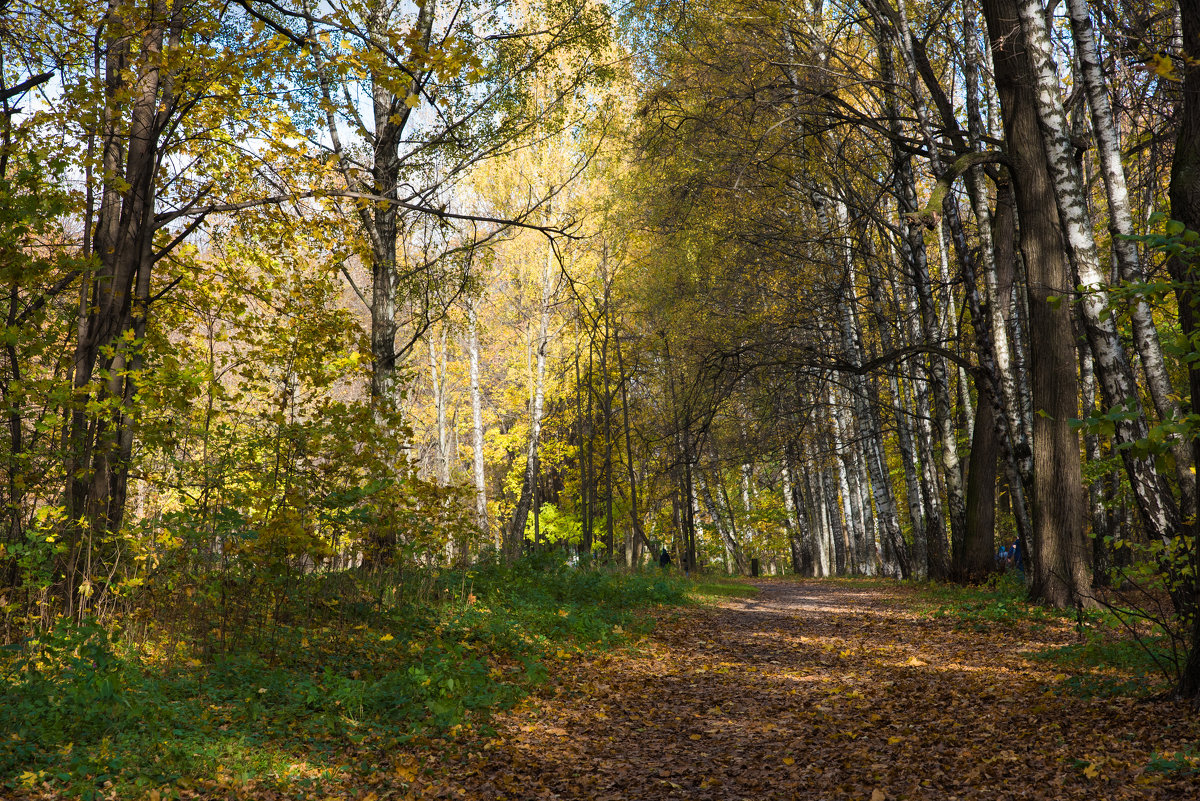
{"x": 363, "y": 674}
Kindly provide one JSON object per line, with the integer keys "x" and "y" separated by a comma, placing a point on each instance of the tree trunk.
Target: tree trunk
{"x": 904, "y": 437}
{"x": 137, "y": 89}
{"x": 800, "y": 534}
{"x": 848, "y": 490}
{"x": 521, "y": 513}
{"x": 608, "y": 426}
{"x": 1091, "y": 445}
{"x": 819, "y": 490}
{"x": 1185, "y": 269}
{"x": 1113, "y": 370}
{"x": 942, "y": 406}
{"x": 735, "y": 559}
{"x": 481, "y": 516}
{"x": 437, "y": 372}
{"x": 635, "y": 519}
{"x": 979, "y": 548}
{"x": 1120, "y": 224}
{"x": 1057, "y": 492}
{"x": 870, "y": 434}
{"x": 1000, "y": 278}
{"x": 588, "y": 488}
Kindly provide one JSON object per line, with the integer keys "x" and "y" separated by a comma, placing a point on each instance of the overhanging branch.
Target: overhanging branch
{"x": 932, "y": 213}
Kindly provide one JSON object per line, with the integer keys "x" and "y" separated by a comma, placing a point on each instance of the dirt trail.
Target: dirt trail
{"x": 825, "y": 690}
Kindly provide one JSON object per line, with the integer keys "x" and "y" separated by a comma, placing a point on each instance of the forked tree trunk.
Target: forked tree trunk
{"x": 1057, "y": 503}
{"x": 139, "y": 107}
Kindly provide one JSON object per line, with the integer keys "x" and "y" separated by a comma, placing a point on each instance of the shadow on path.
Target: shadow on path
{"x": 824, "y": 690}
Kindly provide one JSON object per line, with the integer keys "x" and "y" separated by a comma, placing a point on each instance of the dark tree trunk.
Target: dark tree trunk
{"x": 978, "y": 555}
{"x": 1058, "y": 545}
{"x": 139, "y": 106}
{"x": 1185, "y": 207}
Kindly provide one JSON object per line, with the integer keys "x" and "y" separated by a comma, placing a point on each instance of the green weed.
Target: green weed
{"x": 1185, "y": 762}
{"x": 715, "y": 587}
{"x": 81, "y": 707}
{"x": 999, "y": 605}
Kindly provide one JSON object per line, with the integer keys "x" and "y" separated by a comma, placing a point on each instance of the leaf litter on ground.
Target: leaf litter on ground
{"x": 814, "y": 689}
{"x": 825, "y": 690}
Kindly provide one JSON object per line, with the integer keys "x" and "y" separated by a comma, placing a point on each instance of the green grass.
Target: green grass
{"x": 82, "y": 706}
{"x": 999, "y": 605}
{"x": 1106, "y": 661}
{"x": 717, "y": 587}
{"x": 1104, "y": 666}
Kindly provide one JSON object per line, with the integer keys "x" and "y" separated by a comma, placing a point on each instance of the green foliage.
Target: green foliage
{"x": 86, "y": 706}
{"x": 1107, "y": 664}
{"x": 1001, "y": 604}
{"x": 1186, "y": 761}
{"x": 556, "y": 526}
{"x": 714, "y": 587}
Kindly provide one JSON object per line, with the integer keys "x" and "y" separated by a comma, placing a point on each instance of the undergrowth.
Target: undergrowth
{"x": 90, "y": 711}
{"x": 1105, "y": 660}
{"x": 718, "y": 587}
{"x": 1000, "y": 604}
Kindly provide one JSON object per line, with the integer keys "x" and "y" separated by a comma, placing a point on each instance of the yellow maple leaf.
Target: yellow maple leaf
{"x": 1163, "y": 66}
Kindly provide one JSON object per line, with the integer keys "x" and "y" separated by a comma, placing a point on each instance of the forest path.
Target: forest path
{"x": 825, "y": 690}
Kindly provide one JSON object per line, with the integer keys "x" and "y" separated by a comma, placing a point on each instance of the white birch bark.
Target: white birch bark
{"x": 437, "y": 372}
{"x": 903, "y": 418}
{"x": 1121, "y": 228}
{"x": 818, "y": 490}
{"x": 798, "y": 522}
{"x": 481, "y": 516}
{"x": 949, "y": 325}
{"x": 951, "y": 464}
{"x": 876, "y": 479}
{"x": 1013, "y": 422}
{"x": 847, "y": 491}
{"x": 549, "y": 289}
{"x": 933, "y": 523}
{"x": 1111, "y": 362}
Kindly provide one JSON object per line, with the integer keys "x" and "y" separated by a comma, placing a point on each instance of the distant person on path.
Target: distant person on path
{"x": 664, "y": 559}
{"x": 1017, "y": 556}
